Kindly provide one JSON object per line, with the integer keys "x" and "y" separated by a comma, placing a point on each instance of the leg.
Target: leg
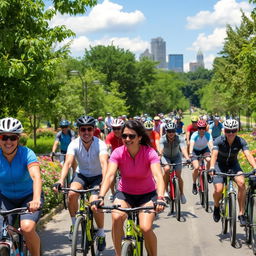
{"x": 217, "y": 194}
{"x": 195, "y": 171}
{"x": 178, "y": 174}
{"x": 166, "y": 175}
{"x": 146, "y": 223}
{"x": 241, "y": 193}
{"x": 98, "y": 216}
{"x": 73, "y": 199}
{"x": 28, "y": 228}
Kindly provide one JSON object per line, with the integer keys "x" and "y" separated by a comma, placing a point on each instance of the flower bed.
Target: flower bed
{"x": 50, "y": 172}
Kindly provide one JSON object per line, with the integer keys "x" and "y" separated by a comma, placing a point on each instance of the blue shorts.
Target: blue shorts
{"x": 136, "y": 200}
{"x": 88, "y": 182}
{"x": 223, "y": 167}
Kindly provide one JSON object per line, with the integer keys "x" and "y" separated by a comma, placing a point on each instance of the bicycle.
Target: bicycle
{"x": 12, "y": 241}
{"x": 174, "y": 191}
{"x": 228, "y": 205}
{"x": 202, "y": 183}
{"x": 132, "y": 242}
{"x": 84, "y": 237}
{"x": 250, "y": 211}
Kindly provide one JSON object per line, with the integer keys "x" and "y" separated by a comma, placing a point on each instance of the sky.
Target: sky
{"x": 186, "y": 26}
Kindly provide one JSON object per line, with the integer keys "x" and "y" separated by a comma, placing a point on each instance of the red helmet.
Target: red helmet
{"x": 201, "y": 123}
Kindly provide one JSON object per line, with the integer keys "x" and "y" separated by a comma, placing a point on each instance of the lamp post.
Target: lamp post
{"x": 84, "y": 86}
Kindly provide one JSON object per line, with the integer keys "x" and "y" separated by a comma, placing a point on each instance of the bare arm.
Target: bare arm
{"x": 191, "y": 146}
{"x": 185, "y": 152}
{"x": 104, "y": 164}
{"x": 213, "y": 158}
{"x": 250, "y": 158}
{"x": 157, "y": 173}
{"x": 55, "y": 146}
{"x": 64, "y": 172}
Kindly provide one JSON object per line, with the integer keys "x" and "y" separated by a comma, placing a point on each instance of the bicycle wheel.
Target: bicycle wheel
{"x": 232, "y": 218}
{"x": 79, "y": 237}
{"x": 65, "y": 195}
{"x": 205, "y": 192}
{"x": 127, "y": 248}
{"x": 224, "y": 219}
{"x": 248, "y": 216}
{"x": 177, "y": 198}
{"x": 94, "y": 242}
{"x": 253, "y": 222}
{"x": 199, "y": 189}
{"x": 4, "y": 250}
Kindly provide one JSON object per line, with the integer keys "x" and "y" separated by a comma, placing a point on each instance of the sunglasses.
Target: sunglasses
{"x": 201, "y": 128}
{"x": 116, "y": 128}
{"x": 231, "y": 131}
{"x": 131, "y": 136}
{"x": 171, "y": 131}
{"x": 89, "y": 129}
{"x": 6, "y": 137}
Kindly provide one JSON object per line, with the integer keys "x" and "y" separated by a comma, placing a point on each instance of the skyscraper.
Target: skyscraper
{"x": 158, "y": 50}
{"x": 146, "y": 54}
{"x": 175, "y": 62}
{"x": 200, "y": 58}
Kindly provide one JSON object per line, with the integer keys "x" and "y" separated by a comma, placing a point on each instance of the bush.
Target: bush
{"x": 44, "y": 145}
{"x": 23, "y": 139}
{"x": 48, "y": 133}
{"x": 50, "y": 172}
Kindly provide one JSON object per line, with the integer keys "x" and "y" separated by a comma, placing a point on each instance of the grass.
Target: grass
{"x": 44, "y": 145}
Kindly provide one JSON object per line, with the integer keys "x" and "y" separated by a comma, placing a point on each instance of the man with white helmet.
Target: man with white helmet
{"x": 20, "y": 181}
{"x": 113, "y": 141}
{"x": 224, "y": 158}
{"x": 172, "y": 146}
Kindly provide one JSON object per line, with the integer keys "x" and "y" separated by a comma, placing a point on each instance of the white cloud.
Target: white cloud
{"x": 209, "y": 42}
{"x": 225, "y": 12}
{"x": 208, "y": 60}
{"x": 107, "y": 16}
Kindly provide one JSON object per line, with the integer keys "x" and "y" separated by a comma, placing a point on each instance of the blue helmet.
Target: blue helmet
{"x": 64, "y": 123}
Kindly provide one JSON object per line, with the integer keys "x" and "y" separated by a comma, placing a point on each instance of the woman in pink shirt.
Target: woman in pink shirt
{"x": 141, "y": 183}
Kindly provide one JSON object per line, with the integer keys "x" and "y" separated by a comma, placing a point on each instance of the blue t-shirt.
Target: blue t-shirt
{"x": 15, "y": 180}
{"x": 201, "y": 142}
{"x": 216, "y": 129}
{"x": 65, "y": 139}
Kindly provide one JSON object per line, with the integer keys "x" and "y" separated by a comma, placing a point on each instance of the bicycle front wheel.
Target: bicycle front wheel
{"x": 253, "y": 222}
{"x": 4, "y": 250}
{"x": 224, "y": 219}
{"x": 127, "y": 248}
{"x": 205, "y": 192}
{"x": 79, "y": 238}
{"x": 177, "y": 198}
{"x": 232, "y": 218}
{"x": 199, "y": 189}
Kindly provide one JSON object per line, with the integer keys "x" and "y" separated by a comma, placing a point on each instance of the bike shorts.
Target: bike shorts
{"x": 136, "y": 200}
{"x": 177, "y": 160}
{"x": 8, "y": 204}
{"x": 223, "y": 167}
{"x": 197, "y": 153}
{"x": 88, "y": 182}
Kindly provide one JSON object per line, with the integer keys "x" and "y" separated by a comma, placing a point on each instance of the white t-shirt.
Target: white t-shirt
{"x": 88, "y": 161}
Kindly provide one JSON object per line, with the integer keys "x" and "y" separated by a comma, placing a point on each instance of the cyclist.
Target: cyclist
{"x": 108, "y": 120}
{"x": 200, "y": 144}
{"x": 20, "y": 181}
{"x": 162, "y": 126}
{"x": 153, "y": 135}
{"x": 92, "y": 157}
{"x": 172, "y": 146}
{"x": 157, "y": 124}
{"x": 113, "y": 141}
{"x": 101, "y": 126}
{"x": 179, "y": 125}
{"x": 224, "y": 158}
{"x": 190, "y": 129}
{"x": 216, "y": 128}
{"x": 140, "y": 173}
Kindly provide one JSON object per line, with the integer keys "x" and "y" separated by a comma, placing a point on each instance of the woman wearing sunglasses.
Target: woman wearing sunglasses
{"x": 224, "y": 158}
{"x": 20, "y": 181}
{"x": 139, "y": 165}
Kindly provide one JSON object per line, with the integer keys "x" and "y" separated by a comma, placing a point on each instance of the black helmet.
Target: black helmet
{"x": 85, "y": 120}
{"x": 64, "y": 123}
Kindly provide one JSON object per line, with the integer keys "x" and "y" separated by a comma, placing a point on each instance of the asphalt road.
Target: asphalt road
{"x": 195, "y": 235}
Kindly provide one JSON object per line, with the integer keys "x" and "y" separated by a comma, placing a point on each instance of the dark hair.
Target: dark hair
{"x": 139, "y": 129}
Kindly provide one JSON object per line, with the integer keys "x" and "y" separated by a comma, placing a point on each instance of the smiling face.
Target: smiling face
{"x": 86, "y": 133}
{"x": 130, "y": 138}
{"x": 8, "y": 142}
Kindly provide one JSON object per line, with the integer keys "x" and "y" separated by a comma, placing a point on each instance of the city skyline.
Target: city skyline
{"x": 186, "y": 27}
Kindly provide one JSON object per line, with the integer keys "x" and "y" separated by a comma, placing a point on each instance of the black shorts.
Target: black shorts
{"x": 136, "y": 200}
{"x": 197, "y": 153}
{"x": 88, "y": 182}
{"x": 223, "y": 167}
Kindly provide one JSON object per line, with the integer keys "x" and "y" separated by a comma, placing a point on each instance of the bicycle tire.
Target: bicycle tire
{"x": 224, "y": 220}
{"x": 4, "y": 250}
{"x": 249, "y": 220}
{"x": 127, "y": 248}
{"x": 65, "y": 195}
{"x": 94, "y": 242}
{"x": 205, "y": 192}
{"x": 253, "y": 222}
{"x": 78, "y": 246}
{"x": 232, "y": 218}
{"x": 200, "y": 192}
{"x": 177, "y": 198}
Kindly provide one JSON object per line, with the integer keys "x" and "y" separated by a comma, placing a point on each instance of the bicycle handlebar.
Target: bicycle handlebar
{"x": 20, "y": 210}
{"x": 80, "y": 191}
{"x": 182, "y": 163}
{"x": 127, "y": 210}
{"x": 246, "y": 174}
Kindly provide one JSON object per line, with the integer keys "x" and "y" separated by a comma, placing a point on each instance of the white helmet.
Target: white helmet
{"x": 117, "y": 122}
{"x": 231, "y": 124}
{"x": 170, "y": 126}
{"x": 10, "y": 125}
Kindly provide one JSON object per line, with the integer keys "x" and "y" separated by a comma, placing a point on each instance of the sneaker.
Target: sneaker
{"x": 216, "y": 214}
{"x": 209, "y": 178}
{"x": 111, "y": 198}
{"x": 101, "y": 243}
{"x": 70, "y": 235}
{"x": 183, "y": 199}
{"x": 194, "y": 189}
{"x": 242, "y": 220}
{"x": 166, "y": 195}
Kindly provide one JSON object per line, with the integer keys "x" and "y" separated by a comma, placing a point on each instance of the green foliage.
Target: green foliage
{"x": 45, "y": 133}
{"x": 44, "y": 145}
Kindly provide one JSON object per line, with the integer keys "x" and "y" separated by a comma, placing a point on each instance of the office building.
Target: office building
{"x": 146, "y": 54}
{"x": 175, "y": 62}
{"x": 193, "y": 66}
{"x": 158, "y": 51}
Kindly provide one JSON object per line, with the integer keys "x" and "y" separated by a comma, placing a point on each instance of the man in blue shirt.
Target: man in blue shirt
{"x": 216, "y": 128}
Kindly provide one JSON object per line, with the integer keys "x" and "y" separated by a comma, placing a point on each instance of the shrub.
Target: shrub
{"x": 44, "y": 145}
{"x": 45, "y": 133}
{"x": 50, "y": 172}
